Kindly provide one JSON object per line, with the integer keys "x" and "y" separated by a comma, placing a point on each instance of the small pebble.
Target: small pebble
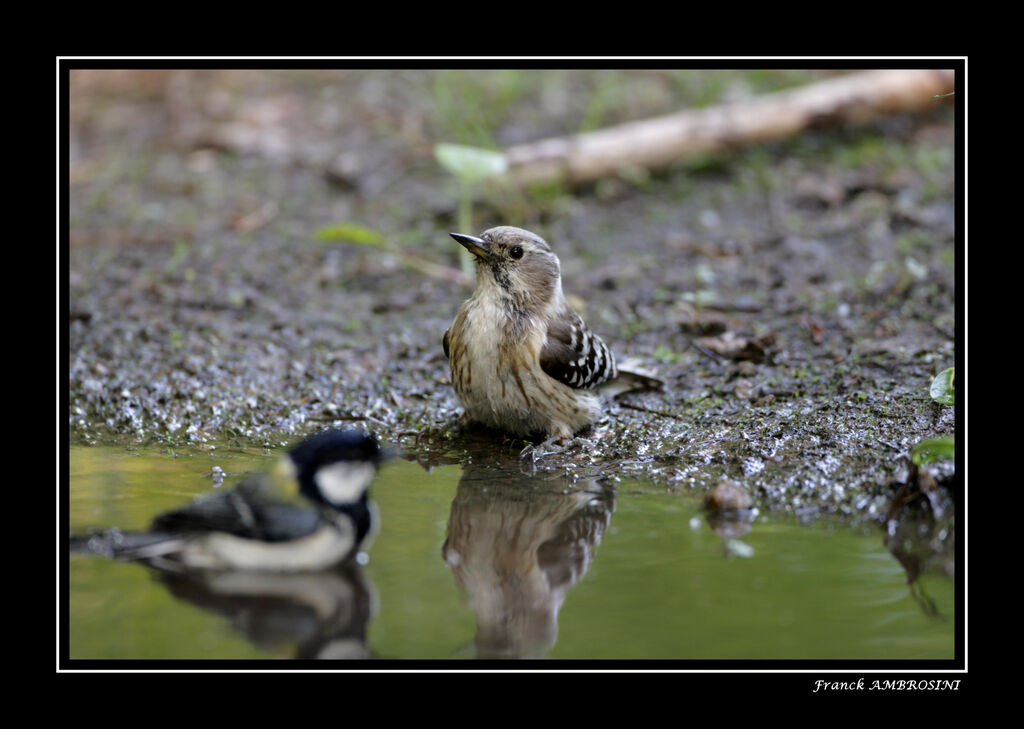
{"x": 728, "y": 494}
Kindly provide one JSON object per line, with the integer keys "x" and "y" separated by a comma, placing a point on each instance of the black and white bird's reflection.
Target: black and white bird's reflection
{"x": 302, "y": 615}
{"x": 310, "y": 513}
{"x": 516, "y": 544}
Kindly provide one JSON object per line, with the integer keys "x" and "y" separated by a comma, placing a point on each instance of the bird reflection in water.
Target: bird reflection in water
{"x": 516, "y": 543}
{"x": 323, "y": 614}
{"x": 278, "y": 554}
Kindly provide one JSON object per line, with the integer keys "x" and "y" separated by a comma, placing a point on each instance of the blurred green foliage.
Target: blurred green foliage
{"x": 349, "y": 233}
{"x": 934, "y": 449}
{"x": 470, "y": 165}
{"x": 942, "y": 390}
{"x": 942, "y": 448}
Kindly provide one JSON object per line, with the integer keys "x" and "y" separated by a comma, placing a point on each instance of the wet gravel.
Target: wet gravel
{"x": 796, "y": 298}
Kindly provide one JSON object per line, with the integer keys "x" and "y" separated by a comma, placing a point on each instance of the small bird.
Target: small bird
{"x": 521, "y": 359}
{"x": 310, "y": 513}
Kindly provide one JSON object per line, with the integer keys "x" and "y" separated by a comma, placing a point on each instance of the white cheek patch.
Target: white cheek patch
{"x": 343, "y": 483}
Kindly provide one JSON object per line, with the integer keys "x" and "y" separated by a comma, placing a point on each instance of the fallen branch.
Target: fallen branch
{"x": 658, "y": 142}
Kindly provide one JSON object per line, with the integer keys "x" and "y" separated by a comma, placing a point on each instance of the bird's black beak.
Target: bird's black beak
{"x": 477, "y": 246}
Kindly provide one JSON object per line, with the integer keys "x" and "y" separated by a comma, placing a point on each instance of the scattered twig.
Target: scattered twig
{"x": 707, "y": 352}
{"x": 726, "y": 306}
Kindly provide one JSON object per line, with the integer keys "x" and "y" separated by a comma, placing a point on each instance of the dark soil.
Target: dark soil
{"x": 797, "y": 298}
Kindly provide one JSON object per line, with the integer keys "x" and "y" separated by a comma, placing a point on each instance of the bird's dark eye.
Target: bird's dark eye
{"x": 516, "y": 252}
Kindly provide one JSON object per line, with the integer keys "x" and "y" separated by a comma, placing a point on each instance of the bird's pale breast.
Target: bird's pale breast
{"x": 500, "y": 382}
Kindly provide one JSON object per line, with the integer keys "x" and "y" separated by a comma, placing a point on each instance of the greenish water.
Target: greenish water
{"x": 469, "y": 563}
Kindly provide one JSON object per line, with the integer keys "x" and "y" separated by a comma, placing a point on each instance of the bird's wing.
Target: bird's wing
{"x": 574, "y": 355}
{"x": 446, "y": 341}
{"x": 245, "y": 512}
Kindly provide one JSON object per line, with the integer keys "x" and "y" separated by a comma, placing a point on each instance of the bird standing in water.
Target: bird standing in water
{"x": 310, "y": 513}
{"x": 521, "y": 359}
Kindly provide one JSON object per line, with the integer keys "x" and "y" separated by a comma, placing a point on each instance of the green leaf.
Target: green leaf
{"x": 470, "y": 163}
{"x": 934, "y": 449}
{"x": 349, "y": 233}
{"x": 942, "y": 390}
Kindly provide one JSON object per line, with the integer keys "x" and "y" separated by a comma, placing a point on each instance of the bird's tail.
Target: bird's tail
{"x": 115, "y": 544}
{"x": 632, "y": 377}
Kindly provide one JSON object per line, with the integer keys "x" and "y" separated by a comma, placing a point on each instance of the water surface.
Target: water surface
{"x": 473, "y": 563}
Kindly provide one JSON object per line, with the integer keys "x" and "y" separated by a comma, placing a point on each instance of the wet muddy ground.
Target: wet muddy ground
{"x": 797, "y": 298}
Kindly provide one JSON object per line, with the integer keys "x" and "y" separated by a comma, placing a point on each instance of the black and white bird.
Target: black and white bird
{"x": 521, "y": 359}
{"x": 309, "y": 513}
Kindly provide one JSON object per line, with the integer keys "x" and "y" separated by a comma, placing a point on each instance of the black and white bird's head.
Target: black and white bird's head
{"x": 516, "y": 266}
{"x": 335, "y": 467}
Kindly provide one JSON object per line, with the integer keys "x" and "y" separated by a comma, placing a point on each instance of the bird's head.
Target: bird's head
{"x": 335, "y": 467}
{"x": 518, "y": 264}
